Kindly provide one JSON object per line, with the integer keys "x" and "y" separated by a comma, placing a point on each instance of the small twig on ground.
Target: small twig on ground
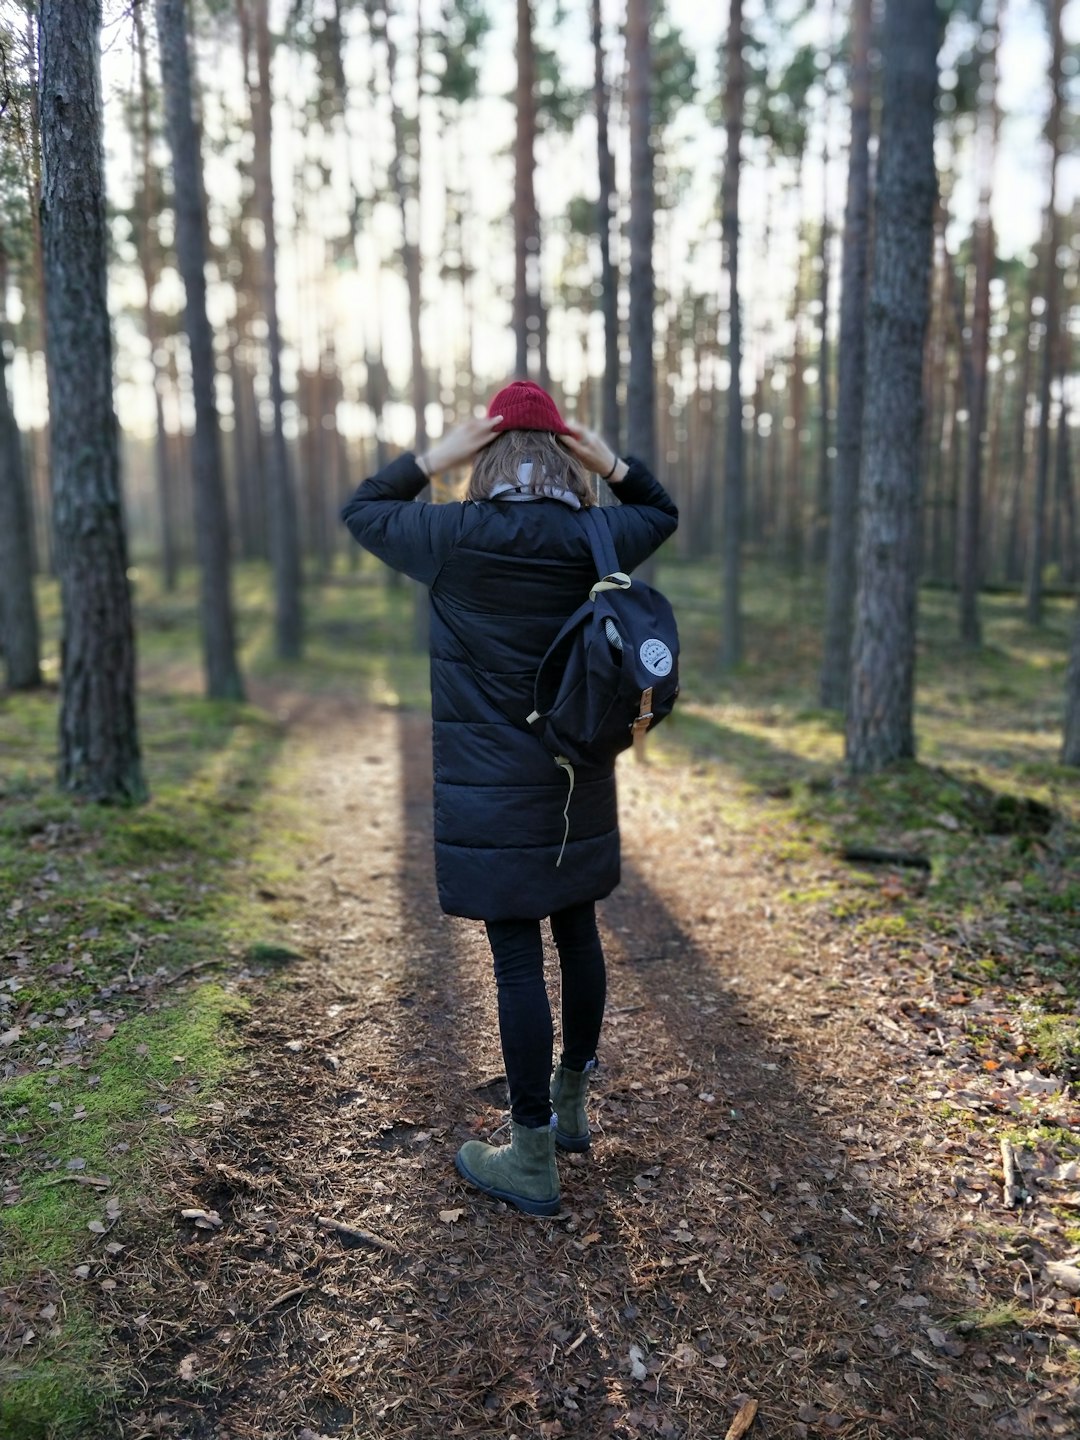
{"x": 870, "y": 855}
{"x": 1012, "y": 1191}
{"x": 743, "y": 1420}
{"x": 350, "y": 1232}
{"x": 190, "y": 970}
{"x": 99, "y": 1182}
{"x": 292, "y": 1294}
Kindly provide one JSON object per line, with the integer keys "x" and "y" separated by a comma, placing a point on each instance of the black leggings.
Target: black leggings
{"x": 525, "y": 1011}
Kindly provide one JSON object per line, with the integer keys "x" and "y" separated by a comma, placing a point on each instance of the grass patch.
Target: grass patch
{"x": 104, "y": 1059}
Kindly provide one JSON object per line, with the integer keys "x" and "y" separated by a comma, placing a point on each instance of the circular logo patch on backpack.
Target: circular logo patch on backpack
{"x": 656, "y": 657}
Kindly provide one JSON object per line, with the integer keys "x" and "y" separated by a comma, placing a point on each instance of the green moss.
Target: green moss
{"x": 882, "y": 925}
{"x": 63, "y": 1387}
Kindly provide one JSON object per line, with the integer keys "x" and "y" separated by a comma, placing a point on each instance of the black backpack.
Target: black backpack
{"x": 612, "y": 672}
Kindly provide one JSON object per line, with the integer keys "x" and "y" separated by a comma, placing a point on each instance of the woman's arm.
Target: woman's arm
{"x": 410, "y": 537}
{"x": 646, "y": 514}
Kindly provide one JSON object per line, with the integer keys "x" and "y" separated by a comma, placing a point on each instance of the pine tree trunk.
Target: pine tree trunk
{"x": 99, "y": 738}
{"x": 731, "y": 643}
{"x": 1070, "y": 749}
{"x": 1013, "y": 529}
{"x": 1036, "y": 552}
{"x": 969, "y": 558}
{"x": 282, "y": 509}
{"x": 851, "y": 377}
{"x": 880, "y": 727}
{"x": 40, "y": 470}
{"x": 223, "y": 680}
{"x": 641, "y": 387}
{"x": 526, "y": 317}
{"x": 145, "y": 248}
{"x": 1066, "y": 496}
{"x": 19, "y": 637}
{"x": 609, "y": 280}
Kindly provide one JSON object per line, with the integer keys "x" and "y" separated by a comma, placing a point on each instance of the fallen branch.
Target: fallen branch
{"x": 869, "y": 855}
{"x": 99, "y": 1182}
{"x": 1012, "y": 1190}
{"x": 350, "y": 1232}
{"x": 742, "y": 1422}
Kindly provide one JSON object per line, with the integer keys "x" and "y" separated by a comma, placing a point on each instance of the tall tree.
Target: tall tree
{"x": 1070, "y": 748}
{"x": 284, "y": 540}
{"x": 880, "y": 724}
{"x": 19, "y": 636}
{"x": 844, "y": 488}
{"x": 211, "y": 518}
{"x": 149, "y": 267}
{"x": 641, "y": 380}
{"x": 527, "y": 337}
{"x": 731, "y": 643}
{"x": 969, "y": 561}
{"x": 99, "y": 739}
{"x": 609, "y": 280}
{"x": 1037, "y": 550}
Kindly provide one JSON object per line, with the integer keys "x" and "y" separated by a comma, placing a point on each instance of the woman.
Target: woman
{"x": 503, "y": 576}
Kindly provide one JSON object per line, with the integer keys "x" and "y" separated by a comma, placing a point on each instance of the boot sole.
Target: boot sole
{"x": 522, "y": 1202}
{"x": 578, "y": 1144}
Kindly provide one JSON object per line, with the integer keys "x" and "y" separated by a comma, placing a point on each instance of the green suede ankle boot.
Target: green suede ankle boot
{"x": 522, "y": 1173}
{"x": 568, "y": 1090}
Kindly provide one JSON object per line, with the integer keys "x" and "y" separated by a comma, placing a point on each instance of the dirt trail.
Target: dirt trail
{"x": 750, "y": 1223}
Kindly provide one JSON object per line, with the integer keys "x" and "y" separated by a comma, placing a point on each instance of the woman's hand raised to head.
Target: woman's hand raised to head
{"x": 459, "y": 445}
{"x": 594, "y": 453}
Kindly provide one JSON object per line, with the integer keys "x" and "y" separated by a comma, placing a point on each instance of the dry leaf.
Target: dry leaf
{"x": 188, "y": 1365}
{"x": 10, "y": 1036}
{"x": 449, "y": 1216}
{"x": 637, "y": 1365}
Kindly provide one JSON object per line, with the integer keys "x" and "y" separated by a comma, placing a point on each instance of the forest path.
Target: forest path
{"x": 754, "y": 1221}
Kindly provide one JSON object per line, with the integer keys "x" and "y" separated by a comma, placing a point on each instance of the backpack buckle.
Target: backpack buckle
{"x": 641, "y": 723}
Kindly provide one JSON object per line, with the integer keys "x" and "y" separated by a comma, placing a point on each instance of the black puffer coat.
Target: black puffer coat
{"x": 504, "y": 575}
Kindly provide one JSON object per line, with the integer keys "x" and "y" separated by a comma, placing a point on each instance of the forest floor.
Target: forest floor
{"x": 812, "y": 1074}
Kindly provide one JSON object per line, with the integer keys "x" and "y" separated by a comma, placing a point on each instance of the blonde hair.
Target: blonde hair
{"x": 552, "y": 465}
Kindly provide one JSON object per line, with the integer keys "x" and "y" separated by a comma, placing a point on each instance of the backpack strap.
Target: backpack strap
{"x": 603, "y": 547}
{"x": 604, "y": 556}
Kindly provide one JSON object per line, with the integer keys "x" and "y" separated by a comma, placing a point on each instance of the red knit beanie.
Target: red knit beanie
{"x": 525, "y": 406}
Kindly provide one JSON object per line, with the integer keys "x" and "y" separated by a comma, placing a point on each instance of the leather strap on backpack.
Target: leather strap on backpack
{"x": 642, "y": 723}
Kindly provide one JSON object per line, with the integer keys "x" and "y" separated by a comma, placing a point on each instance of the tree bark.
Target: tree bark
{"x": 144, "y": 245}
{"x": 641, "y": 387}
{"x": 222, "y": 673}
{"x": 99, "y": 738}
{"x": 969, "y": 519}
{"x": 19, "y": 635}
{"x": 1036, "y": 553}
{"x": 851, "y": 376}
{"x": 1070, "y": 748}
{"x": 731, "y": 643}
{"x": 880, "y": 726}
{"x": 526, "y": 318}
{"x": 284, "y": 540}
{"x": 609, "y": 280}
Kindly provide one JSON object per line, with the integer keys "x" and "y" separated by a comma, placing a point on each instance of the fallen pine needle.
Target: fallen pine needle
{"x": 743, "y": 1420}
